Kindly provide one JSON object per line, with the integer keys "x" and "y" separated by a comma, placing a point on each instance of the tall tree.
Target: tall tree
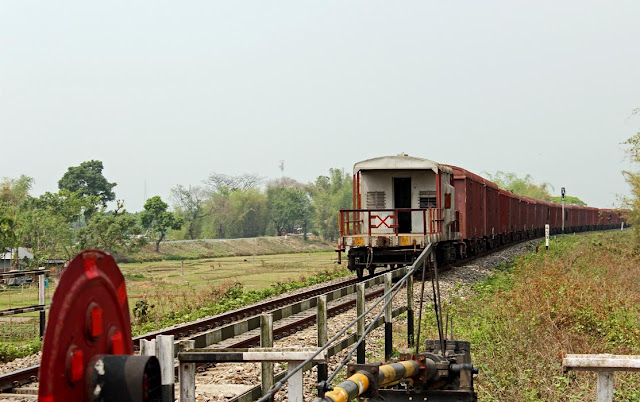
{"x": 158, "y": 220}
{"x": 288, "y": 207}
{"x": 89, "y": 181}
{"x": 249, "y": 209}
{"x": 633, "y": 178}
{"x": 191, "y": 203}
{"x": 226, "y": 184}
{"x": 13, "y": 194}
{"x": 114, "y": 231}
{"x": 229, "y": 195}
{"x": 7, "y": 234}
{"x": 49, "y": 223}
{"x": 13, "y": 191}
{"x": 328, "y": 195}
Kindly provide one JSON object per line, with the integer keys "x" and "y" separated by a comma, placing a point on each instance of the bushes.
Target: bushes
{"x": 225, "y": 298}
{"x": 583, "y": 296}
{"x": 10, "y": 352}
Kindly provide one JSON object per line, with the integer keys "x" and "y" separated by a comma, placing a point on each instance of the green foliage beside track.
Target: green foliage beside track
{"x": 225, "y": 298}
{"x": 583, "y": 296}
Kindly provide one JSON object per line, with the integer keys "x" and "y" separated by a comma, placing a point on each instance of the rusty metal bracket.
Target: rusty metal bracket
{"x": 372, "y": 372}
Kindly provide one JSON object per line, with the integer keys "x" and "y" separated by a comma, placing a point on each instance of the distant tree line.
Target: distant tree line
{"x": 526, "y": 187}
{"x": 226, "y": 206}
{"x": 76, "y": 217}
{"x": 59, "y": 225}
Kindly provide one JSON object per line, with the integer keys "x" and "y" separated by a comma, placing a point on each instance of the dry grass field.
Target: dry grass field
{"x": 582, "y": 296}
{"x": 174, "y": 285}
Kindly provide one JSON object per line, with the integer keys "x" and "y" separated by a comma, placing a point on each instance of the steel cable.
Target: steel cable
{"x": 394, "y": 290}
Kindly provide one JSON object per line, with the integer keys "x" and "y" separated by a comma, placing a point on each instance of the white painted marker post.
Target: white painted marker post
{"x": 546, "y": 235}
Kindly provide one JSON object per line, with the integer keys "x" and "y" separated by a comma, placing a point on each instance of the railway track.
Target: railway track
{"x": 289, "y": 308}
{"x": 11, "y": 380}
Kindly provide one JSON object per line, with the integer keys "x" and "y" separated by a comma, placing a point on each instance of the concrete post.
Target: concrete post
{"x": 321, "y": 319}
{"x": 388, "y": 333}
{"x": 148, "y": 348}
{"x": 410, "y": 323}
{"x": 295, "y": 384}
{"x": 266, "y": 341}
{"x": 360, "y": 307}
{"x": 187, "y": 375}
{"x": 164, "y": 353}
{"x": 605, "y": 386}
{"x": 546, "y": 236}
{"x": 41, "y": 301}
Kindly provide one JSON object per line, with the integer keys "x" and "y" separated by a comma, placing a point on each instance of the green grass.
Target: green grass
{"x": 219, "y": 299}
{"x": 170, "y": 292}
{"x": 10, "y": 351}
{"x": 189, "y": 283}
{"x": 227, "y": 248}
{"x": 583, "y": 296}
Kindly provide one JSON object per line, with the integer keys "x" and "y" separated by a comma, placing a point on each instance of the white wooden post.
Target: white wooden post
{"x": 266, "y": 341}
{"x": 164, "y": 352}
{"x": 148, "y": 348}
{"x": 187, "y": 375}
{"x": 360, "y": 307}
{"x": 295, "y": 384}
{"x": 388, "y": 330}
{"x": 605, "y": 386}
{"x": 410, "y": 323}
{"x": 546, "y": 235}
{"x": 321, "y": 320}
{"x": 43, "y": 317}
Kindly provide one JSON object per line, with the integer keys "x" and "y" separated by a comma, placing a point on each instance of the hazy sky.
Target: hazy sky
{"x": 168, "y": 92}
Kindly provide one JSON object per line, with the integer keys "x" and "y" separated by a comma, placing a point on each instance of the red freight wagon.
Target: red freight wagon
{"x": 504, "y": 215}
{"x": 402, "y": 203}
{"x": 515, "y": 218}
{"x": 470, "y": 198}
{"x": 531, "y": 214}
{"x": 542, "y": 209}
{"x": 492, "y": 223}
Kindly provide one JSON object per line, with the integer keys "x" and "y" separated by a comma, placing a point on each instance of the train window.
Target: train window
{"x": 447, "y": 200}
{"x": 548, "y": 213}
{"x": 376, "y": 200}
{"x": 427, "y": 199}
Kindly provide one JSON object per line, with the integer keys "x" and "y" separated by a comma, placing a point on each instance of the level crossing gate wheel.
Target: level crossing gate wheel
{"x": 89, "y": 316}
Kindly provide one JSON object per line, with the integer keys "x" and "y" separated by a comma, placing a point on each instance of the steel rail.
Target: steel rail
{"x": 24, "y": 376}
{"x": 19, "y": 377}
{"x": 292, "y": 327}
{"x": 219, "y": 320}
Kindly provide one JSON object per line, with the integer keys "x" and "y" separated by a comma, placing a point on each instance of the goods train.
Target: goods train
{"x": 402, "y": 203}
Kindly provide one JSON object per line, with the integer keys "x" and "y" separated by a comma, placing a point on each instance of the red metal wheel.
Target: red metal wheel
{"x": 89, "y": 316}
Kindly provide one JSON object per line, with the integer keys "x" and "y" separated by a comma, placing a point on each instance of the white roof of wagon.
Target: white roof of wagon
{"x": 400, "y": 162}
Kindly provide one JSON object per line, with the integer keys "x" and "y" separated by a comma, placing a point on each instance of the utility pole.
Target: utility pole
{"x": 562, "y": 191}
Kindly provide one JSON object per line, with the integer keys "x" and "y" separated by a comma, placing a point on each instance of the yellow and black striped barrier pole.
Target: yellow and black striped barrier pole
{"x": 360, "y": 382}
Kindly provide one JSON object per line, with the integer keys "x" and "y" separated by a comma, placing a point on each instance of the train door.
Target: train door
{"x": 402, "y": 199}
